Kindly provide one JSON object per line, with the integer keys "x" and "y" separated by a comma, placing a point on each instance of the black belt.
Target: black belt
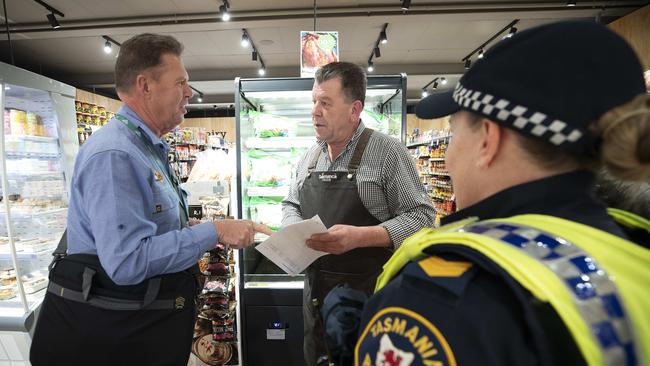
{"x": 148, "y": 301}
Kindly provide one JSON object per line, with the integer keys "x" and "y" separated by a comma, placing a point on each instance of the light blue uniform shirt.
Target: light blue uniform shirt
{"x": 123, "y": 209}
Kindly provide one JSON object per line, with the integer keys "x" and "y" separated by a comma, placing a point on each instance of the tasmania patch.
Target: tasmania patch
{"x": 401, "y": 337}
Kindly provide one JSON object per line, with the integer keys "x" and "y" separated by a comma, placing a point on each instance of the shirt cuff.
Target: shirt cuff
{"x": 396, "y": 233}
{"x": 206, "y": 235}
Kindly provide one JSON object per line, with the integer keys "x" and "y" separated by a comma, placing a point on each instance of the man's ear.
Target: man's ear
{"x": 141, "y": 84}
{"x": 355, "y": 113}
{"x": 491, "y": 143}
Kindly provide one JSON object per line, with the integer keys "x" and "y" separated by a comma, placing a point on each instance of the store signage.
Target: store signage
{"x": 317, "y": 49}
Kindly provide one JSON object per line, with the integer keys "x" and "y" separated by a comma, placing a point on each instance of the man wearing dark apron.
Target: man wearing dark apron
{"x": 124, "y": 294}
{"x": 364, "y": 187}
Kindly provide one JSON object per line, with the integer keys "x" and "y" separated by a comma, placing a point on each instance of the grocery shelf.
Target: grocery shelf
{"x": 416, "y": 144}
{"x": 17, "y": 214}
{"x": 32, "y": 138}
{"x": 24, "y": 154}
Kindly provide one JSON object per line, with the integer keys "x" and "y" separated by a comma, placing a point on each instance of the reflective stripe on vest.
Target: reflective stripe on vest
{"x": 594, "y": 293}
{"x": 548, "y": 256}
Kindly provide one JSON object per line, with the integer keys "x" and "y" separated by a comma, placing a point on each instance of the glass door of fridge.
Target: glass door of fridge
{"x": 33, "y": 211}
{"x": 275, "y": 130}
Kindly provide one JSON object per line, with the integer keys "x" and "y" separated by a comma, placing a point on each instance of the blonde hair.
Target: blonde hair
{"x": 625, "y": 136}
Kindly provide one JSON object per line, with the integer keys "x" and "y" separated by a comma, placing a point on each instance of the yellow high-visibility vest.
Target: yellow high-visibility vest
{"x": 598, "y": 283}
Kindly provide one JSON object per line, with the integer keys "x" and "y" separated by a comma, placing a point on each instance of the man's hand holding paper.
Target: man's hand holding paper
{"x": 287, "y": 248}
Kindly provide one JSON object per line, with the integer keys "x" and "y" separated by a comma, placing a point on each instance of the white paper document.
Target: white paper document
{"x": 287, "y": 248}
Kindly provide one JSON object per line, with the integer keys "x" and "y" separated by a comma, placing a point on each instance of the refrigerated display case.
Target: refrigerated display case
{"x": 274, "y": 129}
{"x": 37, "y": 151}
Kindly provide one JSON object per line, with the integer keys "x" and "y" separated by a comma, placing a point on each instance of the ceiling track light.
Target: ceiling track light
{"x": 245, "y": 41}
{"x": 571, "y": 3}
{"x": 254, "y": 55}
{"x": 262, "y": 70}
{"x": 53, "y": 22}
{"x": 406, "y": 4}
{"x": 377, "y": 52}
{"x": 480, "y": 49}
{"x": 371, "y": 66}
{"x": 198, "y": 93}
{"x": 51, "y": 17}
{"x": 108, "y": 44}
{"x": 435, "y": 81}
{"x": 424, "y": 93}
{"x": 382, "y": 37}
{"x": 223, "y": 11}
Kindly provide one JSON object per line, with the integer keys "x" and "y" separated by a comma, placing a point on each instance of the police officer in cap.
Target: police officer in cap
{"x": 532, "y": 269}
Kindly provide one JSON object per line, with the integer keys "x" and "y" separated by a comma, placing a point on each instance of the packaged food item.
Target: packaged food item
{"x": 8, "y": 277}
{"x": 77, "y": 106}
{"x": 7, "y": 119}
{"x": 202, "y": 327}
{"x": 7, "y": 292}
{"x": 34, "y": 284}
{"x": 31, "y": 126}
{"x": 211, "y": 352}
{"x": 223, "y": 330}
{"x": 17, "y": 121}
{"x": 215, "y": 285}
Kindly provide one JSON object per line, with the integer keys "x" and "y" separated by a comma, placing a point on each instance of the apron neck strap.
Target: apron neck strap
{"x": 353, "y": 165}
{"x": 359, "y": 150}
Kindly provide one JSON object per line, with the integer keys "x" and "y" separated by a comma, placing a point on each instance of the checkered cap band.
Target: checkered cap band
{"x": 519, "y": 117}
{"x": 594, "y": 292}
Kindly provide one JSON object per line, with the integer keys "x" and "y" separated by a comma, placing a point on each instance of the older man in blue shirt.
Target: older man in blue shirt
{"x": 124, "y": 294}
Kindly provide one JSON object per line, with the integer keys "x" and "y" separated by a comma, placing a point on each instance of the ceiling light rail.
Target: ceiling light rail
{"x": 437, "y": 80}
{"x": 376, "y": 53}
{"x": 512, "y": 30}
{"x": 255, "y": 53}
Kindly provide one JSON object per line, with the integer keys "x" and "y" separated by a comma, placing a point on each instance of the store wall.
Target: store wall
{"x": 219, "y": 125}
{"x": 635, "y": 28}
{"x": 412, "y": 121}
{"x": 110, "y": 104}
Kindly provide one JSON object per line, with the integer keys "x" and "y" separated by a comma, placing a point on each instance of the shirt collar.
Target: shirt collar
{"x": 355, "y": 137}
{"x": 126, "y": 111}
{"x": 543, "y": 196}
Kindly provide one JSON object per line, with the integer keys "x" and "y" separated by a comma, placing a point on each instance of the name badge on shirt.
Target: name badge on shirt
{"x": 327, "y": 177}
{"x": 157, "y": 176}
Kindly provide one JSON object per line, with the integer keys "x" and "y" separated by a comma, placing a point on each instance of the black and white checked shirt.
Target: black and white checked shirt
{"x": 387, "y": 182}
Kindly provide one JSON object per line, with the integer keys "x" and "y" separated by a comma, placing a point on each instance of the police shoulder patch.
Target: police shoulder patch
{"x": 438, "y": 267}
{"x": 401, "y": 337}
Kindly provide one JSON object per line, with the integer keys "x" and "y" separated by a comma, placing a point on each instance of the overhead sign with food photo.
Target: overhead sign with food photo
{"x": 317, "y": 49}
